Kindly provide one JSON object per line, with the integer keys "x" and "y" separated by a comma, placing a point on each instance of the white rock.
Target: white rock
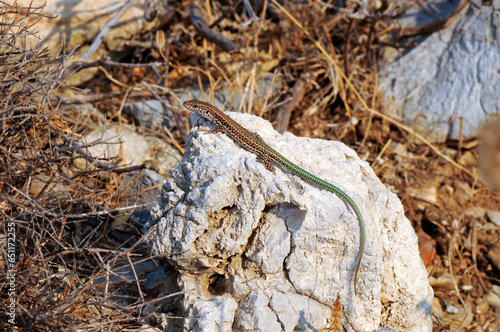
{"x": 451, "y": 74}
{"x": 494, "y": 216}
{"x": 211, "y": 313}
{"x": 283, "y": 249}
{"x": 121, "y": 144}
{"x": 254, "y": 314}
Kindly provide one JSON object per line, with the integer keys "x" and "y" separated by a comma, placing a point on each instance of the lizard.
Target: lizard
{"x": 267, "y": 155}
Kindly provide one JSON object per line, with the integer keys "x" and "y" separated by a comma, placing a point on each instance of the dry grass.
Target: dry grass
{"x": 55, "y": 217}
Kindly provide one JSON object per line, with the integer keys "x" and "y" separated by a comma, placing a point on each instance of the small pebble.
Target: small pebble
{"x": 451, "y": 309}
{"x": 467, "y": 288}
{"x": 494, "y": 217}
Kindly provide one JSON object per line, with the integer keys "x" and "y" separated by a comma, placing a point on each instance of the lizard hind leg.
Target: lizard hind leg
{"x": 267, "y": 163}
{"x": 263, "y": 158}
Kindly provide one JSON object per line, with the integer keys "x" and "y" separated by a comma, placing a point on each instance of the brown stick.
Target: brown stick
{"x": 209, "y": 34}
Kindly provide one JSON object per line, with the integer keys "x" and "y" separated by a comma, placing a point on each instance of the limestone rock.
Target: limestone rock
{"x": 121, "y": 144}
{"x": 283, "y": 250}
{"x": 450, "y": 75}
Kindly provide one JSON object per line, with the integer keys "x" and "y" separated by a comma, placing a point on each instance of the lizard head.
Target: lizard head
{"x": 201, "y": 108}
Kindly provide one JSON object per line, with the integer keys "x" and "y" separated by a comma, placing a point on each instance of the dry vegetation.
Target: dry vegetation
{"x": 58, "y": 213}
{"x": 63, "y": 212}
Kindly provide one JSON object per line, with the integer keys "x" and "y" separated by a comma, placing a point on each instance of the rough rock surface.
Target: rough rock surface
{"x": 126, "y": 147}
{"x": 451, "y": 75}
{"x": 269, "y": 252}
